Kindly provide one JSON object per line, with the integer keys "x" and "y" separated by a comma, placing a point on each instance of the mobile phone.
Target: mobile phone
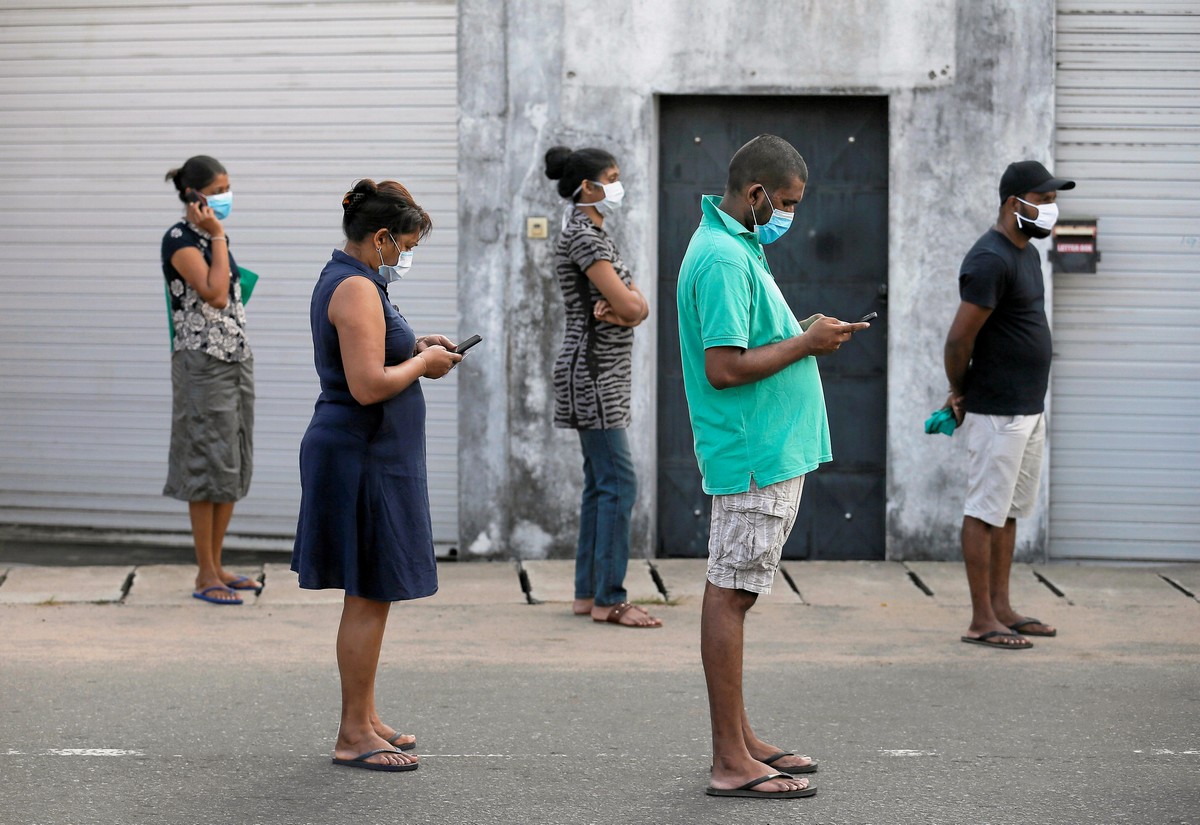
{"x": 192, "y": 196}
{"x": 467, "y": 344}
{"x": 870, "y": 316}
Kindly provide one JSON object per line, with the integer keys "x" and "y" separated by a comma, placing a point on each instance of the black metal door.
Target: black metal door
{"x": 833, "y": 260}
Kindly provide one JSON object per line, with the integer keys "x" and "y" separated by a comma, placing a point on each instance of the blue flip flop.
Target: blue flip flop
{"x": 203, "y": 596}
{"x": 360, "y": 761}
{"x": 244, "y": 583}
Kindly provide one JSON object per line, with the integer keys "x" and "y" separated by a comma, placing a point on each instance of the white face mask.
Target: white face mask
{"x": 392, "y": 273}
{"x": 614, "y": 193}
{"x": 1046, "y": 218}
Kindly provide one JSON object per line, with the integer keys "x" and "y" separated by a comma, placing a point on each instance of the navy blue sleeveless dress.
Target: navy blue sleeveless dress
{"x": 364, "y": 522}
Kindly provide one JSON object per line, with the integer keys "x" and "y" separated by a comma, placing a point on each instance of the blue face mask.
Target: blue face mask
{"x": 221, "y": 204}
{"x": 773, "y": 229}
{"x": 392, "y": 273}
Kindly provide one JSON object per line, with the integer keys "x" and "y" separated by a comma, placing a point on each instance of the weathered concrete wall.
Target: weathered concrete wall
{"x": 534, "y": 73}
{"x": 949, "y": 146}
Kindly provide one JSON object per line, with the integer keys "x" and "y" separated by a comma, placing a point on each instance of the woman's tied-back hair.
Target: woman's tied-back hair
{"x": 370, "y": 206}
{"x": 571, "y": 169}
{"x": 196, "y": 173}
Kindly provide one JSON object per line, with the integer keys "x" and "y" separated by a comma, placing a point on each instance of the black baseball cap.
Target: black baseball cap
{"x": 1029, "y": 176}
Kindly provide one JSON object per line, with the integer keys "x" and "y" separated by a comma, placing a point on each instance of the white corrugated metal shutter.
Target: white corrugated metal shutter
{"x": 97, "y": 101}
{"x": 1125, "y": 418}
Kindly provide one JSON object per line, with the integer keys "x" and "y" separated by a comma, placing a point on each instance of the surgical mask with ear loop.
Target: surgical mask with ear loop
{"x": 392, "y": 273}
{"x": 1047, "y": 216}
{"x": 773, "y": 229}
{"x": 614, "y": 193}
{"x": 221, "y": 205}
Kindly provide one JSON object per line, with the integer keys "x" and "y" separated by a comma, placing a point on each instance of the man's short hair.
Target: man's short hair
{"x": 769, "y": 160}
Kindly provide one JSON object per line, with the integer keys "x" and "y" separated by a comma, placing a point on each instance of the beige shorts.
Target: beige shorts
{"x": 1005, "y": 465}
{"x": 747, "y": 534}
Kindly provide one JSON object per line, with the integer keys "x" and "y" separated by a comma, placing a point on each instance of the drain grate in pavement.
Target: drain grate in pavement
{"x": 658, "y": 581}
{"x": 1053, "y": 588}
{"x": 526, "y": 587}
{"x": 127, "y": 585}
{"x": 787, "y": 577}
{"x": 920, "y": 584}
{"x": 1177, "y": 586}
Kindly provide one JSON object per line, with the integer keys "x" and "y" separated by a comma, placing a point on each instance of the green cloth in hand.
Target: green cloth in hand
{"x": 941, "y": 421}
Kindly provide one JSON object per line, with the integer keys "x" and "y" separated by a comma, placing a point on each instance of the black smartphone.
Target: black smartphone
{"x": 192, "y": 196}
{"x": 870, "y": 316}
{"x": 467, "y": 344}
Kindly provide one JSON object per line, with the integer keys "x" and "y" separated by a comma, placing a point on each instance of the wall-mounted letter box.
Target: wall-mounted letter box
{"x": 1074, "y": 246}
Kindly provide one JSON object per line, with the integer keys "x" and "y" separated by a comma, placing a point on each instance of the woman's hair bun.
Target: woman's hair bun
{"x": 358, "y": 194}
{"x": 556, "y": 161}
{"x": 197, "y": 172}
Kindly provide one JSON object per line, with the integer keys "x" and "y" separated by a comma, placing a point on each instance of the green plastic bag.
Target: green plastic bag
{"x": 248, "y": 279}
{"x": 941, "y": 421}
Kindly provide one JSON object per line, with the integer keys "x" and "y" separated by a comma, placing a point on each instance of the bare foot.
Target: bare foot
{"x": 402, "y": 741}
{"x": 217, "y": 590}
{"x": 629, "y": 615}
{"x": 349, "y": 748}
{"x": 727, "y": 778}
{"x": 235, "y": 582}
{"x": 1001, "y": 636}
{"x": 1024, "y": 624}
{"x": 788, "y": 763}
{"x": 582, "y": 607}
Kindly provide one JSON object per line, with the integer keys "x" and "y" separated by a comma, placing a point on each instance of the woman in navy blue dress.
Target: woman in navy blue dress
{"x": 364, "y": 522}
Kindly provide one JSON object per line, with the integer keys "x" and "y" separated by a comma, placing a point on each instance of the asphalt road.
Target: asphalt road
{"x": 185, "y": 713}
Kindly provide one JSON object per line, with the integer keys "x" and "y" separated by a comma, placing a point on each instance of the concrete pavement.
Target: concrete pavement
{"x": 125, "y": 700}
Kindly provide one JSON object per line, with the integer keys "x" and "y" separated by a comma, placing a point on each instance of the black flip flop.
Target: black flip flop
{"x": 1028, "y": 621}
{"x": 747, "y": 791}
{"x": 360, "y": 761}
{"x": 407, "y": 746}
{"x": 811, "y": 767}
{"x": 983, "y": 640}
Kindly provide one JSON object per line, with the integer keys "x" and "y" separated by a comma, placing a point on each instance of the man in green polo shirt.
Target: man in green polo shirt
{"x": 758, "y": 418}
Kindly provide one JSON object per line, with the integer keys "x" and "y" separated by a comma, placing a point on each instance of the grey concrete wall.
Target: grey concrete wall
{"x": 949, "y": 146}
{"x": 533, "y": 74}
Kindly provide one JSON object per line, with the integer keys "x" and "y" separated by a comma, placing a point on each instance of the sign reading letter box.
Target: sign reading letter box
{"x": 1074, "y": 248}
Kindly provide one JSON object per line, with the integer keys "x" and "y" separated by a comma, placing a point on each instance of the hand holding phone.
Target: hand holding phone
{"x": 467, "y": 344}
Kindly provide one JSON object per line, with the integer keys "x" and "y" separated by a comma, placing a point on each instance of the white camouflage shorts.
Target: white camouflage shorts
{"x": 747, "y": 534}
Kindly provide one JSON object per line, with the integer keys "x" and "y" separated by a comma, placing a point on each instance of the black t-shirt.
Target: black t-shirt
{"x": 1010, "y": 365}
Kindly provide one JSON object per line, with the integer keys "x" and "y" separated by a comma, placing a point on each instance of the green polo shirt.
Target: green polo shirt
{"x": 769, "y": 430}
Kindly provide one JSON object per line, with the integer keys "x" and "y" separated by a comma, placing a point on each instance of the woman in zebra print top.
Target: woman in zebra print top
{"x": 591, "y": 378}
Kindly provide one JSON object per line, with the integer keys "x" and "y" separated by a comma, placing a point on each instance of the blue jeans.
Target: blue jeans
{"x": 609, "y": 490}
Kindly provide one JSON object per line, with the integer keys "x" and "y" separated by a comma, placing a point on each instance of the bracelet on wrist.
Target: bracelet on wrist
{"x": 219, "y": 238}
{"x": 424, "y": 365}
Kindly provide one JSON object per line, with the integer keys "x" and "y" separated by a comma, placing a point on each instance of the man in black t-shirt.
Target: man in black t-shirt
{"x": 998, "y": 363}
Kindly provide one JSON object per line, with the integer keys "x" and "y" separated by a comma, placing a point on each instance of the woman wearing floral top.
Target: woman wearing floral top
{"x": 212, "y": 373}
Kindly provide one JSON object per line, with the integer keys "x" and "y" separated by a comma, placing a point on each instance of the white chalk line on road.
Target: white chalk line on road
{"x": 1142, "y": 752}
{"x": 899, "y": 752}
{"x": 78, "y": 752}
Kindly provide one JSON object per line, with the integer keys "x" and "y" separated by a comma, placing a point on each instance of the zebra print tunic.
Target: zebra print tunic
{"x": 591, "y": 374}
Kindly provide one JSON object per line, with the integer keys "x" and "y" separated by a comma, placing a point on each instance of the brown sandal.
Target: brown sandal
{"x": 619, "y": 610}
